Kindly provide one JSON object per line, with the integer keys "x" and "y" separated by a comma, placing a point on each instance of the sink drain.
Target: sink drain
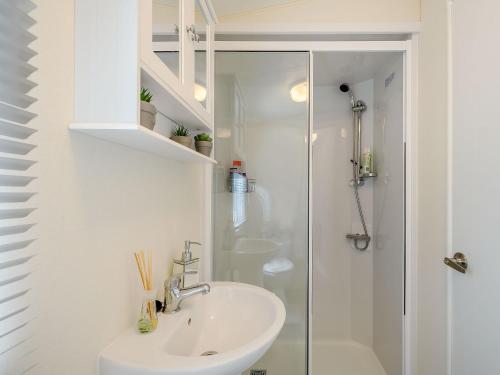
{"x": 208, "y": 353}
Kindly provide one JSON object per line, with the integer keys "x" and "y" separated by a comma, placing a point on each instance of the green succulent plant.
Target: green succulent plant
{"x": 180, "y": 131}
{"x": 146, "y": 95}
{"x": 203, "y": 137}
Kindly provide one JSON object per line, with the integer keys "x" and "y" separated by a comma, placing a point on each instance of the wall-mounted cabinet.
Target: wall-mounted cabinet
{"x": 162, "y": 45}
{"x": 176, "y": 46}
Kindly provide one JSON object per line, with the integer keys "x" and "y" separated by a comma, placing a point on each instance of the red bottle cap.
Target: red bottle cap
{"x": 236, "y": 163}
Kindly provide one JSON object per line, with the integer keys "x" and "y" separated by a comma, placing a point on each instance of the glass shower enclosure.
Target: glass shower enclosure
{"x": 261, "y": 187}
{"x": 269, "y": 171}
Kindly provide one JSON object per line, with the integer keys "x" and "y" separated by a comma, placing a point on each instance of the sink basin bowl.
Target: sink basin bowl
{"x": 221, "y": 333}
{"x": 249, "y": 256}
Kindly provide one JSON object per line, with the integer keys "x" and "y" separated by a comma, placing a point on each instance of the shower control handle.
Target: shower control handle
{"x": 458, "y": 262}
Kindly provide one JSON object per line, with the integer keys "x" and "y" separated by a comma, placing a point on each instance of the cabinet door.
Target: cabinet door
{"x": 201, "y": 55}
{"x": 161, "y": 40}
{"x": 166, "y": 24}
{"x": 198, "y": 56}
{"x": 177, "y": 50}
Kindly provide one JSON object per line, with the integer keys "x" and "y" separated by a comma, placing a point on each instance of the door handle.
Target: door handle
{"x": 458, "y": 262}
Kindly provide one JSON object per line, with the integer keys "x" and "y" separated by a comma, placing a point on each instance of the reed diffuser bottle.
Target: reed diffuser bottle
{"x": 148, "y": 320}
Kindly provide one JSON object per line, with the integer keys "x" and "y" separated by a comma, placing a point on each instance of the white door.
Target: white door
{"x": 475, "y": 301}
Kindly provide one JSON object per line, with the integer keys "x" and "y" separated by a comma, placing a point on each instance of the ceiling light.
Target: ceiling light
{"x": 200, "y": 92}
{"x": 300, "y": 92}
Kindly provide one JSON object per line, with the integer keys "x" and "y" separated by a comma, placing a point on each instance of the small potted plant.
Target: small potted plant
{"x": 148, "y": 110}
{"x": 181, "y": 135}
{"x": 203, "y": 144}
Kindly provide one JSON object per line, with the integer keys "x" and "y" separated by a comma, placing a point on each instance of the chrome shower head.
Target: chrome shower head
{"x": 344, "y": 87}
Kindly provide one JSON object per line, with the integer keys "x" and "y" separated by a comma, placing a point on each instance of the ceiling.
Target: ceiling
{"x": 265, "y": 78}
{"x": 228, "y": 7}
{"x": 334, "y": 68}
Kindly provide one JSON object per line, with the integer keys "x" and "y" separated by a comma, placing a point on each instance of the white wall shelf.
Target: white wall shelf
{"x": 138, "y": 137}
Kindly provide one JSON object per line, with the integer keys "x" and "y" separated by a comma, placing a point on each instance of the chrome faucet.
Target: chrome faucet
{"x": 174, "y": 294}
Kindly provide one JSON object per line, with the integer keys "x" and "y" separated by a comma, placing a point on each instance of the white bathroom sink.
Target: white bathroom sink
{"x": 237, "y": 321}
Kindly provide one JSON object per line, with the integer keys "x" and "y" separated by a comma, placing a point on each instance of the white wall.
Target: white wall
{"x": 323, "y": 11}
{"x": 99, "y": 202}
{"x": 343, "y": 276}
{"x": 388, "y": 234}
{"x": 432, "y": 195}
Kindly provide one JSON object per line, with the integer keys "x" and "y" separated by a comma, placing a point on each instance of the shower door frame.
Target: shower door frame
{"x": 409, "y": 48}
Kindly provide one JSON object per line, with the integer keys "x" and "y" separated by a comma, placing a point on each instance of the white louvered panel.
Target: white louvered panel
{"x": 15, "y": 197}
{"x": 14, "y": 229}
{"x": 16, "y": 321}
{"x": 16, "y": 288}
{"x": 14, "y": 273}
{"x": 23, "y": 365}
{"x": 16, "y": 54}
{"x": 15, "y": 12}
{"x": 18, "y": 245}
{"x": 15, "y": 242}
{"x": 17, "y": 82}
{"x": 10, "y": 145}
{"x": 19, "y": 251}
{"x": 15, "y": 306}
{"x": 19, "y": 164}
{"x": 12, "y": 129}
{"x": 19, "y": 213}
{"x": 15, "y": 338}
{"x": 15, "y": 114}
{"x": 11, "y": 30}
{"x": 15, "y": 65}
{"x": 15, "y": 179}
{"x": 19, "y": 359}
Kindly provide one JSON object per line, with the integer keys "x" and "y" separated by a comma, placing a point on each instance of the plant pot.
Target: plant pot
{"x": 148, "y": 115}
{"x": 183, "y": 140}
{"x": 204, "y": 147}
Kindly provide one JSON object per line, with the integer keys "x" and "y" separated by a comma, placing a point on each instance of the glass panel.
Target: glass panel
{"x": 261, "y": 188}
{"x": 166, "y": 23}
{"x": 200, "y": 58}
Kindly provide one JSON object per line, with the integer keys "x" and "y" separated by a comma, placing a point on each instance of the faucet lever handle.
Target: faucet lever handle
{"x": 175, "y": 280}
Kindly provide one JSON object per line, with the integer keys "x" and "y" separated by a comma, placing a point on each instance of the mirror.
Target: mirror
{"x": 166, "y": 23}
{"x": 200, "y": 56}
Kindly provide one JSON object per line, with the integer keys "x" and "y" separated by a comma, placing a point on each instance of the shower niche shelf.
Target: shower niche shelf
{"x": 139, "y": 138}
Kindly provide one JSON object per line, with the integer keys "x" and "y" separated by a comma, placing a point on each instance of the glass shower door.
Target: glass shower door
{"x": 261, "y": 187}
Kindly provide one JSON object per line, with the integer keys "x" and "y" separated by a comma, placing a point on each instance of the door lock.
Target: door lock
{"x": 458, "y": 262}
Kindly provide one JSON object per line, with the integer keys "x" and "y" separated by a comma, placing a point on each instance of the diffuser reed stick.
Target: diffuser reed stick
{"x": 145, "y": 267}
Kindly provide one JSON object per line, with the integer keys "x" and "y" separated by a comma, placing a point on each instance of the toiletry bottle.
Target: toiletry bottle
{"x": 187, "y": 265}
{"x": 237, "y": 182}
{"x": 367, "y": 162}
{"x": 236, "y": 166}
